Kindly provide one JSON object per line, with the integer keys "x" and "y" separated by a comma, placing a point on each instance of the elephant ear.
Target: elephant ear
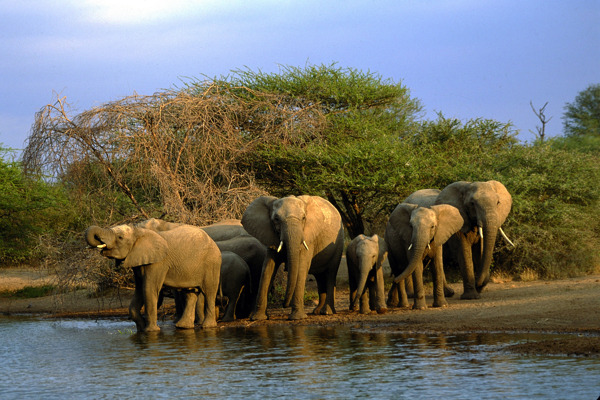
{"x": 317, "y": 213}
{"x": 449, "y": 222}
{"x": 257, "y": 221}
{"x": 383, "y": 250}
{"x": 148, "y": 248}
{"x": 505, "y": 200}
{"x": 400, "y": 221}
{"x": 454, "y": 195}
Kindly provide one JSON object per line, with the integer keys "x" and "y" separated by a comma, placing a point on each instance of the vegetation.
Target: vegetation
{"x": 201, "y": 153}
{"x": 582, "y": 117}
{"x": 29, "y": 292}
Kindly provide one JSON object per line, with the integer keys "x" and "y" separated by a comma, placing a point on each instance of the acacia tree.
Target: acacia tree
{"x": 174, "y": 153}
{"x": 582, "y": 117}
{"x": 346, "y": 156}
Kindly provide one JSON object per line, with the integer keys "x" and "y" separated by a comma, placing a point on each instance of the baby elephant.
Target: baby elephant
{"x": 364, "y": 256}
{"x": 235, "y": 285}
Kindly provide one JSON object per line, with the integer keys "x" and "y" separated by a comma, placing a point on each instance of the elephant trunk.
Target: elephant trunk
{"x": 99, "y": 237}
{"x": 418, "y": 248}
{"x": 364, "y": 268}
{"x": 487, "y": 250}
{"x": 293, "y": 237}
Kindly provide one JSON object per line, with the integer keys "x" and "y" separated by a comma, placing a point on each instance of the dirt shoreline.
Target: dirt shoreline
{"x": 564, "y": 306}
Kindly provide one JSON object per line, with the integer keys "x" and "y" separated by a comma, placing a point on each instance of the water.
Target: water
{"x": 106, "y": 359}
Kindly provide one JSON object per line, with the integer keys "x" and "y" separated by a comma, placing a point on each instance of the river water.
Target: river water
{"x": 107, "y": 359}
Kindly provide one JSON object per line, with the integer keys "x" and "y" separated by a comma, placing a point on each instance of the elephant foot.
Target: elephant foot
{"x": 448, "y": 291}
{"x": 152, "y": 328}
{"x": 184, "y": 325}
{"x": 470, "y": 295}
{"x": 258, "y": 316}
{"x": 327, "y": 310}
{"x": 480, "y": 288}
{"x": 365, "y": 311}
{"x": 297, "y": 314}
{"x": 419, "y": 306}
{"x": 382, "y": 310}
{"x": 209, "y": 324}
{"x": 227, "y": 318}
{"x": 440, "y": 304}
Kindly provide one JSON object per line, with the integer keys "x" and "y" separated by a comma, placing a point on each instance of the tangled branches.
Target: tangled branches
{"x": 175, "y": 152}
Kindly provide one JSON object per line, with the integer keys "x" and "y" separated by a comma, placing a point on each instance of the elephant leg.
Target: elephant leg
{"x": 135, "y": 306}
{"x": 210, "y": 300}
{"x": 297, "y": 302}
{"x": 268, "y": 272}
{"x": 419, "y": 301}
{"x": 448, "y": 291}
{"x": 189, "y": 312}
{"x": 466, "y": 269}
{"x": 233, "y": 294}
{"x": 379, "y": 289}
{"x": 200, "y": 300}
{"x": 352, "y": 283}
{"x": 326, "y": 288}
{"x": 438, "y": 280}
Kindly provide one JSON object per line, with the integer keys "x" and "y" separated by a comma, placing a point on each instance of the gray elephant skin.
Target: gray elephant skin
{"x": 364, "y": 258}
{"x": 236, "y": 286}
{"x": 230, "y": 236}
{"x": 306, "y": 233}
{"x": 414, "y": 234}
{"x": 181, "y": 258}
{"x": 484, "y": 206}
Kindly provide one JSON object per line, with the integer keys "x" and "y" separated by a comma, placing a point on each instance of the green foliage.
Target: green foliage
{"x": 29, "y": 206}
{"x": 582, "y": 117}
{"x": 555, "y": 217}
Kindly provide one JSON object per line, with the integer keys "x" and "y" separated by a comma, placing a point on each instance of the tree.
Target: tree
{"x": 347, "y": 147}
{"x": 541, "y": 130}
{"x": 582, "y": 117}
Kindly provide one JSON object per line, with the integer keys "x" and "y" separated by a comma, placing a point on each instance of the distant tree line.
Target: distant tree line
{"x": 201, "y": 153}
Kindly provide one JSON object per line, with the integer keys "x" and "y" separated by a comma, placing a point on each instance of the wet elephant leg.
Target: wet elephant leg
{"x": 267, "y": 275}
{"x": 189, "y": 312}
{"x": 438, "y": 281}
{"x": 466, "y": 268}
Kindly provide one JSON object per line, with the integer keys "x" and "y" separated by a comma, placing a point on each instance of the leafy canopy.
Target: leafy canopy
{"x": 582, "y": 117}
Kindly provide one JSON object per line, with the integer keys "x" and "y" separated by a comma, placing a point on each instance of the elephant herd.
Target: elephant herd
{"x": 239, "y": 258}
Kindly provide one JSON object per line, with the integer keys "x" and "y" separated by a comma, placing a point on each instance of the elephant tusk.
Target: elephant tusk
{"x": 280, "y": 246}
{"x": 481, "y": 232}
{"x": 305, "y": 245}
{"x": 506, "y": 237}
{"x": 410, "y": 247}
{"x": 101, "y": 246}
{"x": 428, "y": 246}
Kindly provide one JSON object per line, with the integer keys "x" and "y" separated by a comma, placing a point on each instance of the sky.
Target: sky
{"x": 464, "y": 59}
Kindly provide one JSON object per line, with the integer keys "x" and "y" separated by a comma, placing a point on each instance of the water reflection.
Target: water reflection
{"x": 80, "y": 358}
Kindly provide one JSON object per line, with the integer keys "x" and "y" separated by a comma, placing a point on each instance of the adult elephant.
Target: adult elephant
{"x": 181, "y": 258}
{"x": 414, "y": 234}
{"x": 484, "y": 206}
{"x": 306, "y": 233}
{"x": 364, "y": 258}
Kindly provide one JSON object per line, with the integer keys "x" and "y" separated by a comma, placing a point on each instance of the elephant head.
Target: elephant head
{"x": 285, "y": 224}
{"x": 484, "y": 207}
{"x": 131, "y": 245}
{"x": 424, "y": 230}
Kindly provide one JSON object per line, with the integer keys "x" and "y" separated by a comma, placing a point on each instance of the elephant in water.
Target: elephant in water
{"x": 364, "y": 257}
{"x": 484, "y": 206}
{"x": 306, "y": 233}
{"x": 181, "y": 258}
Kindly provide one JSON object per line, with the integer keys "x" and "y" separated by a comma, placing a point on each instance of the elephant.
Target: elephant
{"x": 364, "y": 257}
{"x": 413, "y": 234}
{"x": 181, "y": 258}
{"x": 235, "y": 285}
{"x": 306, "y": 233}
{"x": 253, "y": 252}
{"x": 218, "y": 231}
{"x": 484, "y": 206}
{"x": 229, "y": 235}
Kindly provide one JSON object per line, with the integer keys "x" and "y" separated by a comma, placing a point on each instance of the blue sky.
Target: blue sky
{"x": 466, "y": 59}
